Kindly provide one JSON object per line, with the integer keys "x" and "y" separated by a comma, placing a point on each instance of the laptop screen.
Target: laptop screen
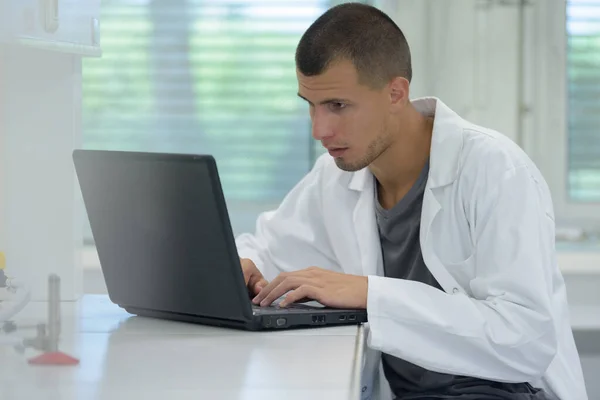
{"x": 162, "y": 232}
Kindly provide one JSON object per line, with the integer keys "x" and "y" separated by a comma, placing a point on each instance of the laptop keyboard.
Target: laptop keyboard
{"x": 275, "y": 309}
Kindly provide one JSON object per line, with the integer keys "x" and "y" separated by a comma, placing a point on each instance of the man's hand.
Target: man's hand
{"x": 254, "y": 280}
{"x": 332, "y": 289}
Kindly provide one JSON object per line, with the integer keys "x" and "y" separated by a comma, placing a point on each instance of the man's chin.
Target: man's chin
{"x": 347, "y": 166}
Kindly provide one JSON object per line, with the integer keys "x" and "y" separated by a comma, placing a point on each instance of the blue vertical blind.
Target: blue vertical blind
{"x": 583, "y": 68}
{"x": 209, "y": 77}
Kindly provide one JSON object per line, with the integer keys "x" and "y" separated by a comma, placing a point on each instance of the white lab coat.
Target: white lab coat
{"x": 487, "y": 236}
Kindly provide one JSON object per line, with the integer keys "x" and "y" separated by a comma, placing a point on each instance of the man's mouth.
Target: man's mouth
{"x": 337, "y": 151}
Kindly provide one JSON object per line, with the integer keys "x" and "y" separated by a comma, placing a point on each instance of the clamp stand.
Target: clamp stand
{"x": 47, "y": 339}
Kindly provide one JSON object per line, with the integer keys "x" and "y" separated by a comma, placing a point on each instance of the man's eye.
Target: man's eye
{"x": 336, "y": 106}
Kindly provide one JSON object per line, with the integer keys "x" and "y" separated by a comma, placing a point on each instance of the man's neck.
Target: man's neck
{"x": 399, "y": 167}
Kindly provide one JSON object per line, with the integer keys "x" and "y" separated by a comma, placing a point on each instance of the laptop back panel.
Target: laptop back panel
{"x": 161, "y": 244}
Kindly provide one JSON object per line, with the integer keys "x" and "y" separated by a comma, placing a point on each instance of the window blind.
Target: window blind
{"x": 583, "y": 69}
{"x": 209, "y": 77}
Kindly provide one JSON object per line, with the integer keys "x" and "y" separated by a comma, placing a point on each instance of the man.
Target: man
{"x": 442, "y": 230}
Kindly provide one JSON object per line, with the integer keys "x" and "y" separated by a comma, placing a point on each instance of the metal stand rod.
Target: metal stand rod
{"x": 47, "y": 337}
{"x": 53, "y": 313}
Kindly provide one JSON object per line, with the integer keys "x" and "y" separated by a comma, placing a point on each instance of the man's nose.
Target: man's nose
{"x": 321, "y": 127}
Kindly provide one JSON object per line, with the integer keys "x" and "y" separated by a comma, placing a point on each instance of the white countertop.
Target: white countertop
{"x": 127, "y": 357}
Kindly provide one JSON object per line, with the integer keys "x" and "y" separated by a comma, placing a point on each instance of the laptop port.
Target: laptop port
{"x": 342, "y": 317}
{"x": 314, "y": 319}
{"x": 281, "y": 321}
{"x": 268, "y": 322}
{"x": 321, "y": 318}
{"x": 352, "y": 318}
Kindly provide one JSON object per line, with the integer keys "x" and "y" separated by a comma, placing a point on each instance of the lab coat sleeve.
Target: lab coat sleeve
{"x": 293, "y": 236}
{"x": 503, "y": 330}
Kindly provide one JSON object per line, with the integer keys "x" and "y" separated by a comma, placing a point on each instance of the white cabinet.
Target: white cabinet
{"x": 69, "y": 26}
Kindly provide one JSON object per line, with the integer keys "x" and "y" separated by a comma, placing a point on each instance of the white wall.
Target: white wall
{"x": 40, "y": 125}
{"x": 41, "y": 45}
{"x": 467, "y": 54}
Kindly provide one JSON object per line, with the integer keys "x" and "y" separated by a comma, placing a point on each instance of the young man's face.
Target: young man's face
{"x": 350, "y": 119}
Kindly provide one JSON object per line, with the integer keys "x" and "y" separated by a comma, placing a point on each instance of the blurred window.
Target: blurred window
{"x": 583, "y": 121}
{"x": 206, "y": 76}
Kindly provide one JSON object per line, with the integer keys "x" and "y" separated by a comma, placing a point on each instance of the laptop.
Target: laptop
{"x": 166, "y": 247}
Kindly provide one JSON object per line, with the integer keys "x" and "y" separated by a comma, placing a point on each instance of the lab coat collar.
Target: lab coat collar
{"x": 446, "y": 146}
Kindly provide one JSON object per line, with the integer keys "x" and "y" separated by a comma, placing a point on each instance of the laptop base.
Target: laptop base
{"x": 264, "y": 321}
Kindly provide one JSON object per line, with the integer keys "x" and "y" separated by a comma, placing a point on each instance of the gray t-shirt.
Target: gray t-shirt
{"x": 399, "y": 230}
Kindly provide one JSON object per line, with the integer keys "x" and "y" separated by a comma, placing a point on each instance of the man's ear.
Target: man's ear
{"x": 398, "y": 89}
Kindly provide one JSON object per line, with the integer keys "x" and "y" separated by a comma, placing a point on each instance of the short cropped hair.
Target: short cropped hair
{"x": 361, "y": 34}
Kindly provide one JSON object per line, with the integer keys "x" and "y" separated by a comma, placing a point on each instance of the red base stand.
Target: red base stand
{"x": 56, "y": 358}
